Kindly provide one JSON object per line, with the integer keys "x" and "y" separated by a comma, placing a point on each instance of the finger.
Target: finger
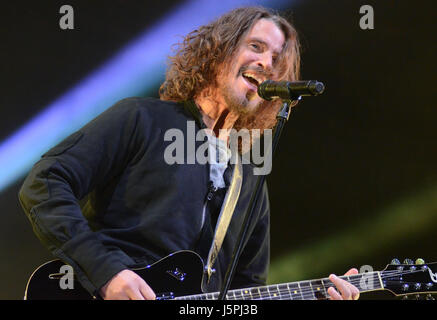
{"x": 355, "y": 293}
{"x": 334, "y": 295}
{"x": 354, "y": 290}
{"x": 147, "y": 292}
{"x": 118, "y": 296}
{"x": 134, "y": 294}
{"x": 351, "y": 272}
{"x": 342, "y": 286}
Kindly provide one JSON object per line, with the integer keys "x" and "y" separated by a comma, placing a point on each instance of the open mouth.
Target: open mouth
{"x": 252, "y": 79}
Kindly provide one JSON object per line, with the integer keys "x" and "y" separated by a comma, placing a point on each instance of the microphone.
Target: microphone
{"x": 287, "y": 90}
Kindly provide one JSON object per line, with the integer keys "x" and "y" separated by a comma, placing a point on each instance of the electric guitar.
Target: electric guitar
{"x": 179, "y": 276}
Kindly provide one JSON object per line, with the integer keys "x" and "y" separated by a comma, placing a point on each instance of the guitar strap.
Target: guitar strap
{"x": 225, "y": 215}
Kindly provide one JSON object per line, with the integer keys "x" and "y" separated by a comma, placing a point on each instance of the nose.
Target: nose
{"x": 265, "y": 60}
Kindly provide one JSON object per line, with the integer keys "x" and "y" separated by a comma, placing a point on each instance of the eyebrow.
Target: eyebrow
{"x": 264, "y": 43}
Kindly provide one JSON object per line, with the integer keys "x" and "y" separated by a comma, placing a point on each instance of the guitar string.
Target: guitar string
{"x": 282, "y": 291}
{"x": 356, "y": 281}
{"x": 282, "y": 294}
{"x": 279, "y": 293}
{"x": 286, "y": 293}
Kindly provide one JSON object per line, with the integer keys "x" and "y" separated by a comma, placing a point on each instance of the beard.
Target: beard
{"x": 259, "y": 115}
{"x": 239, "y": 104}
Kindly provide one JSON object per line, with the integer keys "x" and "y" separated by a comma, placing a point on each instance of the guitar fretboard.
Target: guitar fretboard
{"x": 301, "y": 290}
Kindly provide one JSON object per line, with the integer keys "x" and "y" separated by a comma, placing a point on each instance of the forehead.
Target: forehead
{"x": 267, "y": 31}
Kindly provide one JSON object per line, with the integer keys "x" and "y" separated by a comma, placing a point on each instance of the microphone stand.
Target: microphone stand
{"x": 282, "y": 117}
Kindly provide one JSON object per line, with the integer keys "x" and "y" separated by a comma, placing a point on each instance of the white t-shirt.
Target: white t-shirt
{"x": 219, "y": 155}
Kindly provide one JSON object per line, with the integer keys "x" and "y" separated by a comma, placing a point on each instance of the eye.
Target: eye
{"x": 255, "y": 46}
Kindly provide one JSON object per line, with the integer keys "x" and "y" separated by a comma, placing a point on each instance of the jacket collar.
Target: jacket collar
{"x": 191, "y": 107}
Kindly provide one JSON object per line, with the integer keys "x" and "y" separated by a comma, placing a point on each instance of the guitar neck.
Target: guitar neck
{"x": 300, "y": 290}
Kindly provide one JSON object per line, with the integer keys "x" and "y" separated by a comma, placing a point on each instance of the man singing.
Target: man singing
{"x": 105, "y": 200}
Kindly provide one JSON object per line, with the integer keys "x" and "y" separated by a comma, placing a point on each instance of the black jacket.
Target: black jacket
{"x": 104, "y": 199}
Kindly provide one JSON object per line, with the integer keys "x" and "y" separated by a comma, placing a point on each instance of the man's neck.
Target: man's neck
{"x": 216, "y": 116}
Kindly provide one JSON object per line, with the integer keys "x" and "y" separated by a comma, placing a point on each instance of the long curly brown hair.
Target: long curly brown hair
{"x": 202, "y": 52}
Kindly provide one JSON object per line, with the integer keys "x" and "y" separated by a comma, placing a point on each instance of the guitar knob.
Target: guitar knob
{"x": 408, "y": 261}
{"x": 395, "y": 261}
{"x": 420, "y": 261}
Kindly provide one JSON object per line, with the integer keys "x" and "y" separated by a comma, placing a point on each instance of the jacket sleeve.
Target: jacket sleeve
{"x": 50, "y": 195}
{"x": 253, "y": 264}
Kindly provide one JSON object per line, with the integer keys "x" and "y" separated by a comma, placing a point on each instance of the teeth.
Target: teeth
{"x": 248, "y": 75}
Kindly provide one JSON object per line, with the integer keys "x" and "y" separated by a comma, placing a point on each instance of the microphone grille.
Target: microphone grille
{"x": 319, "y": 87}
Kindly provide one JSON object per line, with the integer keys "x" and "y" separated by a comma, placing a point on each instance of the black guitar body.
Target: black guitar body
{"x": 178, "y": 274}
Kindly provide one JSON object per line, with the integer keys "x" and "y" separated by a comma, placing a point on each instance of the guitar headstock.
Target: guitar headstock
{"x": 410, "y": 278}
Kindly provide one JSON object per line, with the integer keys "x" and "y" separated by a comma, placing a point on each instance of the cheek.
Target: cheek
{"x": 246, "y": 58}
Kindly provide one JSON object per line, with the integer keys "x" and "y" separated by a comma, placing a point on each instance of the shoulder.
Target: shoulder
{"x": 146, "y": 104}
{"x": 148, "y": 108}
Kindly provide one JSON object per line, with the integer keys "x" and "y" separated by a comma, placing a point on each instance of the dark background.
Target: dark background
{"x": 354, "y": 181}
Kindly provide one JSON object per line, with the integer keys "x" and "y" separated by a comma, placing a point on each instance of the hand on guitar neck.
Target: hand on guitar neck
{"x": 127, "y": 285}
{"x": 346, "y": 290}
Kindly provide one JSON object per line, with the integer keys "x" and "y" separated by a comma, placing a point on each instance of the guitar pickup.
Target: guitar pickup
{"x": 177, "y": 274}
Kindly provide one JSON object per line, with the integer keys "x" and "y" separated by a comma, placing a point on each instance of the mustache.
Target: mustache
{"x": 267, "y": 73}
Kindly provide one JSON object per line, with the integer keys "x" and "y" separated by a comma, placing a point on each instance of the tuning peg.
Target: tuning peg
{"x": 408, "y": 261}
{"x": 405, "y": 298}
{"x": 420, "y": 261}
{"x": 429, "y": 297}
{"x": 395, "y": 261}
